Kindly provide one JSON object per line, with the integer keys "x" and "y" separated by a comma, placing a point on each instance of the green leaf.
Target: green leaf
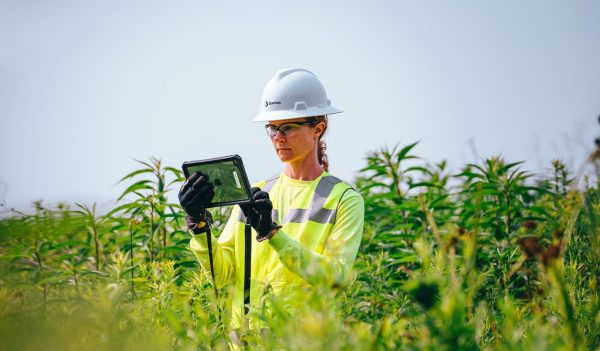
{"x": 187, "y": 264}
{"x": 418, "y": 168}
{"x": 406, "y": 259}
{"x": 151, "y": 167}
{"x": 68, "y": 243}
{"x": 176, "y": 172}
{"x": 422, "y": 184}
{"x": 141, "y": 185}
{"x": 376, "y": 168}
{"x": 134, "y": 173}
{"x": 509, "y": 166}
{"x": 402, "y": 154}
{"x": 127, "y": 206}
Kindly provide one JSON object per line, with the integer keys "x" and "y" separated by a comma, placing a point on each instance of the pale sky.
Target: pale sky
{"x": 87, "y": 86}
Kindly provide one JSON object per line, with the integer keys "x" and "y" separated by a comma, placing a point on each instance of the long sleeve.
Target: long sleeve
{"x": 223, "y": 251}
{"x": 332, "y": 267}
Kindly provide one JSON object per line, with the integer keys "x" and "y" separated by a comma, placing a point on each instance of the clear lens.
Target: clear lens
{"x": 286, "y": 129}
{"x": 289, "y": 128}
{"x": 271, "y": 131}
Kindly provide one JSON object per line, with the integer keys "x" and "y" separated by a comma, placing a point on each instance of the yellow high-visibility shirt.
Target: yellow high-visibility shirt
{"x": 322, "y": 223}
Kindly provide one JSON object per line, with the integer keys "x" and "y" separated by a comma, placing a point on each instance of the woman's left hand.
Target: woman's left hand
{"x": 260, "y": 213}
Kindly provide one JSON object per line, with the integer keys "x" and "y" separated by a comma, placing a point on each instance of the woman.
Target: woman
{"x": 308, "y": 224}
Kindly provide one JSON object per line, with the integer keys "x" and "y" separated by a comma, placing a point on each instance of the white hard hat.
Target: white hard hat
{"x": 294, "y": 93}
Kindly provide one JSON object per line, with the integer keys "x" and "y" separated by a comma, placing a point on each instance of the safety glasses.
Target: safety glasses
{"x": 286, "y": 129}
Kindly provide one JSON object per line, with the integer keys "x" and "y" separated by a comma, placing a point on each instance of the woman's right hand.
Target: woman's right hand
{"x": 195, "y": 194}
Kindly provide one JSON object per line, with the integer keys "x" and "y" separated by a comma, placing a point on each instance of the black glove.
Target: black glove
{"x": 195, "y": 193}
{"x": 259, "y": 212}
{"x": 199, "y": 224}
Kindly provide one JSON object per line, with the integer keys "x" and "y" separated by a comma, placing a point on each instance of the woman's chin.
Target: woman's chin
{"x": 284, "y": 155}
{"x": 283, "y": 158}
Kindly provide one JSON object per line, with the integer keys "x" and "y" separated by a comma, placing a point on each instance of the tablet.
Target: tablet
{"x": 227, "y": 176}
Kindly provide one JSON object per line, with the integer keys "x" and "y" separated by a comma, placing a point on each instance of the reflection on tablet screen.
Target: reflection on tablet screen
{"x": 226, "y": 180}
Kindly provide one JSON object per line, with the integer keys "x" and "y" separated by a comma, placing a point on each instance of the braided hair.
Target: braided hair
{"x": 321, "y": 151}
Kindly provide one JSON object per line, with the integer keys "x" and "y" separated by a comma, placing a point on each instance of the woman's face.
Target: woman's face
{"x": 302, "y": 142}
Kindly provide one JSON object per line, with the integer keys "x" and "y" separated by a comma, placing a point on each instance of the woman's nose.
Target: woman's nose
{"x": 278, "y": 135}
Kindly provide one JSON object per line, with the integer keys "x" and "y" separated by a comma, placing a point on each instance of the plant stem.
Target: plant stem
{"x": 151, "y": 232}
{"x": 97, "y": 246}
{"x": 38, "y": 259}
{"x": 131, "y": 254}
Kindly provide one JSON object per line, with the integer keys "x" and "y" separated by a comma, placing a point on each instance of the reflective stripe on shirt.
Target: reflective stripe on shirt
{"x": 315, "y": 211}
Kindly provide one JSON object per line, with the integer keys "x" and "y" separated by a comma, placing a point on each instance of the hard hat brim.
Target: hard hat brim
{"x": 267, "y": 116}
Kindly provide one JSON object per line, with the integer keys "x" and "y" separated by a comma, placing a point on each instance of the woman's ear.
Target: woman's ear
{"x": 319, "y": 129}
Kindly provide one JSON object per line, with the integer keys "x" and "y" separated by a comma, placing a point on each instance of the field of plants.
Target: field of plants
{"x": 489, "y": 257}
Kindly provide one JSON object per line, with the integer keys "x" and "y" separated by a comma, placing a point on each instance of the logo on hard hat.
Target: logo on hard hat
{"x": 269, "y": 103}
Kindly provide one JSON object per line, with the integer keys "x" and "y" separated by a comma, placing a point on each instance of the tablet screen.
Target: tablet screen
{"x": 228, "y": 178}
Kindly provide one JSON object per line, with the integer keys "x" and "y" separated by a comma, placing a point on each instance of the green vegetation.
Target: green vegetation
{"x": 491, "y": 257}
